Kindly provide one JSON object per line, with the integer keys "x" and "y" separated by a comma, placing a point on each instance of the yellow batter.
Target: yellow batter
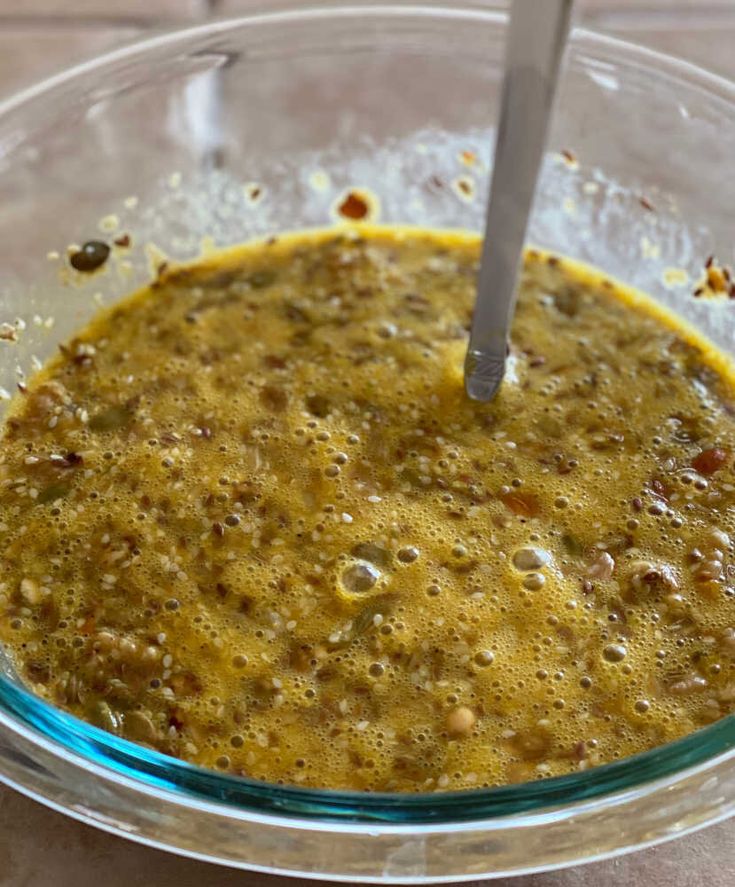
{"x": 248, "y": 517}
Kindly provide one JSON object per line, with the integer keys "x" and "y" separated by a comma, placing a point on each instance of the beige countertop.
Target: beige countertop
{"x": 39, "y": 847}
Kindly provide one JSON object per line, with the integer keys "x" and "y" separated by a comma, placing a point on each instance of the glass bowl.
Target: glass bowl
{"x": 243, "y": 128}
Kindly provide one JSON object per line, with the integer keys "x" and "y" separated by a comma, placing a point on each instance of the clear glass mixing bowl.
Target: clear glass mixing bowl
{"x": 248, "y": 127}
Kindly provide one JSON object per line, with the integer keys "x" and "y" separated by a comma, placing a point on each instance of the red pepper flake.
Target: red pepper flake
{"x": 568, "y": 155}
{"x": 218, "y": 529}
{"x": 708, "y": 261}
{"x": 698, "y": 292}
{"x": 521, "y": 503}
{"x": 637, "y": 503}
{"x": 731, "y": 291}
{"x": 646, "y": 204}
{"x": 87, "y": 626}
{"x": 123, "y": 240}
{"x": 710, "y": 461}
{"x": 659, "y": 489}
{"x": 354, "y": 206}
{"x": 469, "y": 158}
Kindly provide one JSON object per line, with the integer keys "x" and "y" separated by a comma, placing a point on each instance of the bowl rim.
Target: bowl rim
{"x": 285, "y": 10}
{"x": 191, "y": 785}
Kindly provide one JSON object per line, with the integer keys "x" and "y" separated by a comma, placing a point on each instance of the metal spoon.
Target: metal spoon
{"x": 536, "y": 40}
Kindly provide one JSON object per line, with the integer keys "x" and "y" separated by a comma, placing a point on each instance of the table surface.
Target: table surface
{"x": 39, "y": 847}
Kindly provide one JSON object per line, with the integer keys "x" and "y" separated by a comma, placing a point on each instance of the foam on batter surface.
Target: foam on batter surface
{"x": 249, "y": 518}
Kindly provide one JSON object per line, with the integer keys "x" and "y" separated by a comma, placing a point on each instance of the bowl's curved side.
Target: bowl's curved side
{"x": 159, "y": 815}
{"x": 219, "y": 104}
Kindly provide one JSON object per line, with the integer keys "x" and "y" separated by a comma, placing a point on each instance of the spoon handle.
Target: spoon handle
{"x": 535, "y": 46}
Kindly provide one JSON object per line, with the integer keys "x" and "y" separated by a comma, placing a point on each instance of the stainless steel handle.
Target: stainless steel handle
{"x": 536, "y": 41}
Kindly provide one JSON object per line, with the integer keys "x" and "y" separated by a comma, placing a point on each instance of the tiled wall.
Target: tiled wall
{"x": 39, "y": 37}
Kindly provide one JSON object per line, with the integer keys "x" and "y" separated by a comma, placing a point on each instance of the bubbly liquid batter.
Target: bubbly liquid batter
{"x": 249, "y": 518}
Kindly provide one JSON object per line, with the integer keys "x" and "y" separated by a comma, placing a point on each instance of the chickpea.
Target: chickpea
{"x": 460, "y": 721}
